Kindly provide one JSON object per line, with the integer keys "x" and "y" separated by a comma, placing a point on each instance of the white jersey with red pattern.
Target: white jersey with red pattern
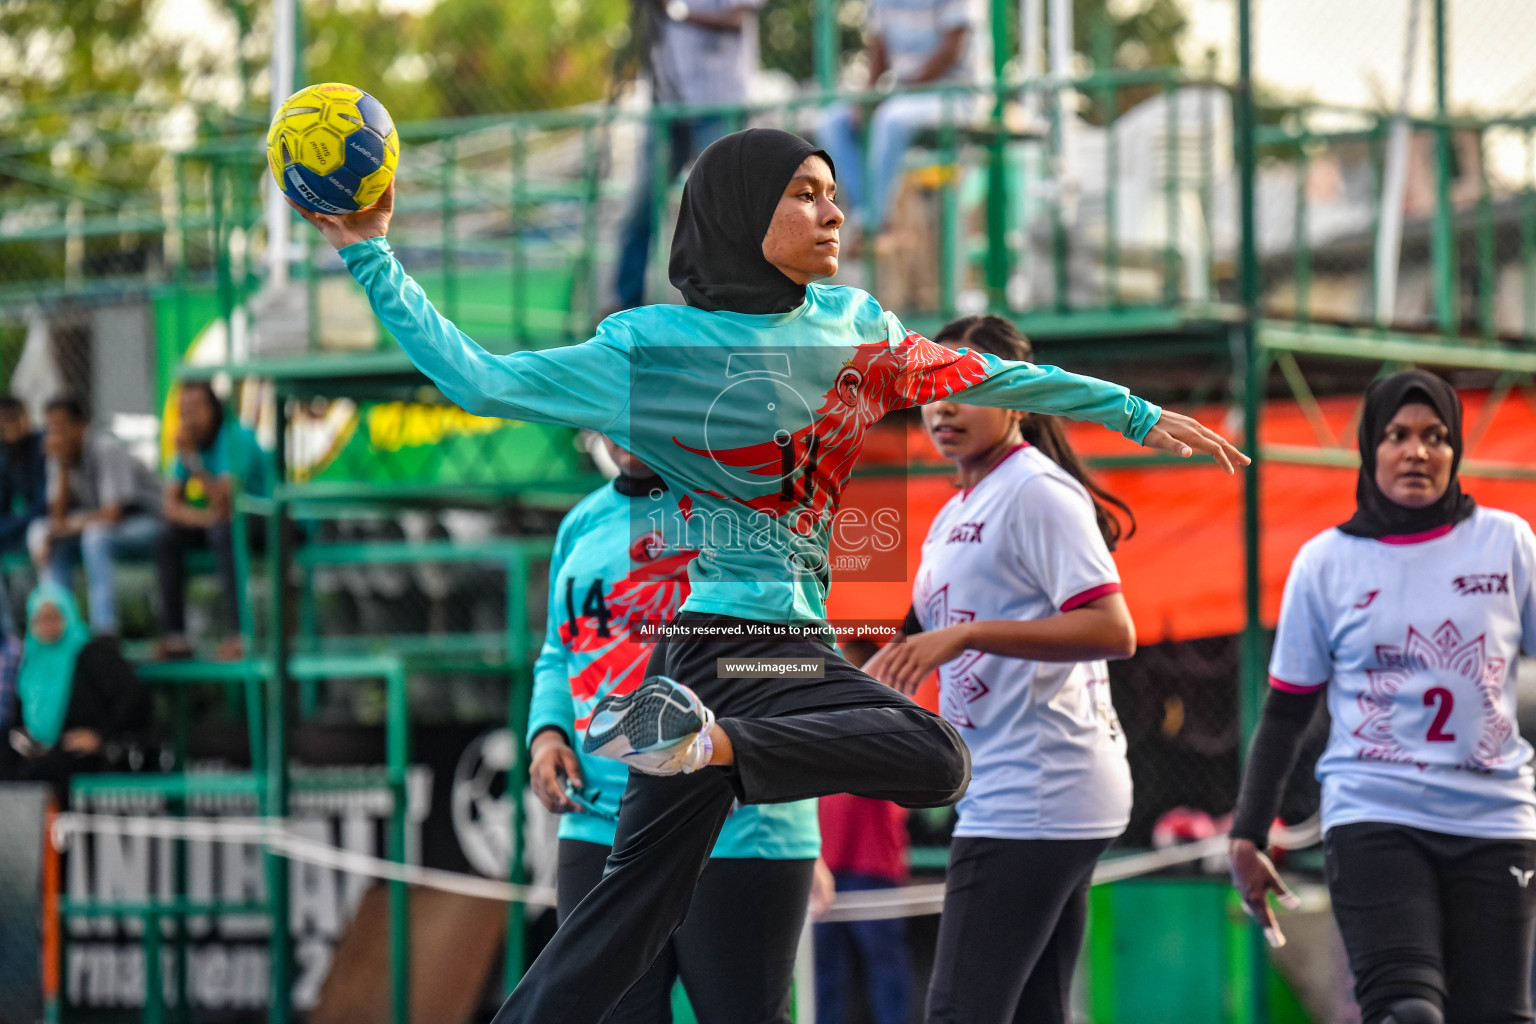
{"x": 1047, "y": 752}
{"x": 1417, "y": 640}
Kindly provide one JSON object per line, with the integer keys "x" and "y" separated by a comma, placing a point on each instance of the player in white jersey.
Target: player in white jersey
{"x": 1410, "y": 618}
{"x": 1018, "y": 603}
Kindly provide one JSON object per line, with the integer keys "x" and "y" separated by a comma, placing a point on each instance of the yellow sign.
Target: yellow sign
{"x": 396, "y": 425}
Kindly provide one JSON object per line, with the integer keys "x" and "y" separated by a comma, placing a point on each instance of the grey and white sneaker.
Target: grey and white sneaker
{"x": 660, "y": 728}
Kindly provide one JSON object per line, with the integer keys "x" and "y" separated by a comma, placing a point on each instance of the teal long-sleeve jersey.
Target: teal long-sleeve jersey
{"x": 602, "y": 584}
{"x": 754, "y": 420}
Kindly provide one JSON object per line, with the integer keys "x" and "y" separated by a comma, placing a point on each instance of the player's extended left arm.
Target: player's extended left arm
{"x": 1052, "y": 390}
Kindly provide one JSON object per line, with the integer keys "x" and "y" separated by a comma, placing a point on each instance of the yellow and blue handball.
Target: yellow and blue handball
{"x": 333, "y": 148}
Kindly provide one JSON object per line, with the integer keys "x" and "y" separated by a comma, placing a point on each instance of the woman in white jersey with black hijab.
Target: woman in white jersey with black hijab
{"x": 1410, "y": 617}
{"x": 1019, "y": 603}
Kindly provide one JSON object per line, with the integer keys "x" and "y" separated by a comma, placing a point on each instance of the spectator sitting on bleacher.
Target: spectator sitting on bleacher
{"x": 23, "y": 497}
{"x": 215, "y": 455}
{"x": 77, "y": 702}
{"x": 915, "y": 42}
{"x": 103, "y": 504}
{"x": 864, "y": 843}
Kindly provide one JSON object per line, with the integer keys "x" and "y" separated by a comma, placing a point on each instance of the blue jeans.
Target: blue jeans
{"x": 97, "y": 546}
{"x": 883, "y": 951}
{"x": 685, "y": 141}
{"x": 890, "y": 129}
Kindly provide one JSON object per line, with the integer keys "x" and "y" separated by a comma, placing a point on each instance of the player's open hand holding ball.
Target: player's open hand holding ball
{"x": 343, "y": 229}
{"x": 333, "y": 150}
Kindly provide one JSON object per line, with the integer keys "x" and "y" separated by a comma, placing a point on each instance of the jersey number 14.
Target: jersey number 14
{"x": 593, "y": 605}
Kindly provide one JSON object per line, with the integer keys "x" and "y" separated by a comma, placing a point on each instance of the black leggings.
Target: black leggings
{"x": 170, "y": 562}
{"x": 735, "y": 953}
{"x": 794, "y": 739}
{"x": 1424, "y": 915}
{"x": 1012, "y": 928}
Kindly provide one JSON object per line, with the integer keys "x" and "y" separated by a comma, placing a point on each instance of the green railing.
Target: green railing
{"x": 508, "y": 222}
{"x": 1115, "y": 218}
{"x": 1474, "y": 239}
{"x": 268, "y": 786}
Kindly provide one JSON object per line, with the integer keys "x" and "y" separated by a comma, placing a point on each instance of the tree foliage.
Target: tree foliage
{"x": 465, "y": 57}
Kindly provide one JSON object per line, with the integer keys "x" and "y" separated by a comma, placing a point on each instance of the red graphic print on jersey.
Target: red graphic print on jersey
{"x": 878, "y": 379}
{"x": 962, "y": 686}
{"x": 1444, "y": 651}
{"x": 652, "y": 591}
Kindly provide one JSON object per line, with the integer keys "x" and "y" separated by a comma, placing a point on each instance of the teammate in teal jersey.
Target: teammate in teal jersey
{"x": 751, "y": 897}
{"x": 751, "y": 401}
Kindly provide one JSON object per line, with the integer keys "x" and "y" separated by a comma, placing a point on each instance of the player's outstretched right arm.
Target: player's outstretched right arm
{"x": 584, "y": 385}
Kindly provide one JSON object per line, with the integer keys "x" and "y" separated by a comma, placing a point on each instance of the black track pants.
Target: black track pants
{"x": 1014, "y": 914}
{"x": 1426, "y": 915}
{"x": 735, "y": 952}
{"x": 793, "y": 738}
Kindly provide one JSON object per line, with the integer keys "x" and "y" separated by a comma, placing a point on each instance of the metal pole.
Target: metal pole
{"x": 949, "y": 255}
{"x": 517, "y": 724}
{"x": 221, "y": 240}
{"x": 1031, "y": 49}
{"x": 1444, "y": 238}
{"x": 1487, "y": 269}
{"x": 277, "y": 211}
{"x": 1253, "y": 376}
{"x": 1303, "y": 235}
{"x": 1171, "y": 196}
{"x": 279, "y": 942}
{"x": 519, "y": 263}
{"x": 1109, "y": 101}
{"x": 1059, "y": 38}
{"x": 826, "y": 47}
{"x": 183, "y": 315}
{"x": 997, "y": 174}
{"x": 449, "y": 151}
{"x": 1528, "y": 243}
{"x": 398, "y": 753}
{"x": 1253, "y": 676}
{"x": 1389, "y": 232}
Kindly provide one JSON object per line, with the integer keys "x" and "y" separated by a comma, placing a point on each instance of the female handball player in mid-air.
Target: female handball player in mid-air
{"x": 1410, "y": 618}
{"x": 751, "y": 401}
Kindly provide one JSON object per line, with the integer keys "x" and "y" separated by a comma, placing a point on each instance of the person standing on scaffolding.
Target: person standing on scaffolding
{"x": 698, "y": 52}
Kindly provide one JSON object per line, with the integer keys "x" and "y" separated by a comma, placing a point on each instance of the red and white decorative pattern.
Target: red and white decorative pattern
{"x": 961, "y": 686}
{"x": 1443, "y": 651}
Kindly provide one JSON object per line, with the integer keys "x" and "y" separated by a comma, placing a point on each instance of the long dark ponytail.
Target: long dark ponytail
{"x": 995, "y": 335}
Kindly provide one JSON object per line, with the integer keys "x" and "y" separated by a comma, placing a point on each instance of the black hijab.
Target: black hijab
{"x": 1377, "y": 515}
{"x": 728, "y": 202}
